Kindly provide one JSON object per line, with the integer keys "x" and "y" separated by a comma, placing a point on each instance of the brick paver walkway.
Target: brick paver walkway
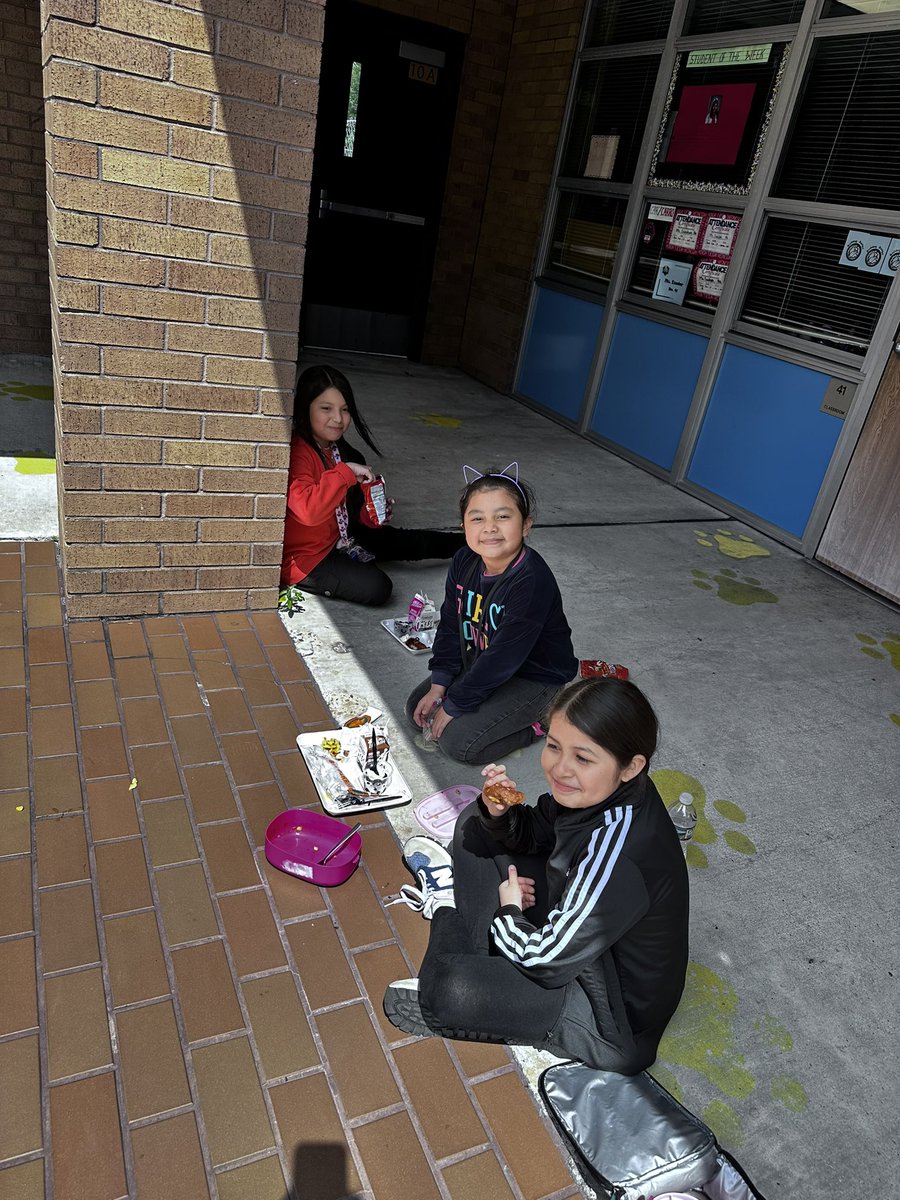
{"x": 177, "y": 1019}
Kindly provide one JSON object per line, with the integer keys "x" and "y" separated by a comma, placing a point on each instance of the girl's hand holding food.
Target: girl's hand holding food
{"x": 363, "y": 473}
{"x": 498, "y": 791}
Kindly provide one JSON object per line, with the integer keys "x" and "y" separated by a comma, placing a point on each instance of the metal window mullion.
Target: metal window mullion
{"x": 857, "y": 26}
{"x": 594, "y": 54}
{"x": 753, "y": 222}
{"x": 756, "y": 36}
{"x": 622, "y": 265}
{"x": 817, "y": 212}
{"x": 795, "y": 349}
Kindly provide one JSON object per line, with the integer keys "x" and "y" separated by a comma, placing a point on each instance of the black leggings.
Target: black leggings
{"x": 470, "y": 992}
{"x": 343, "y": 578}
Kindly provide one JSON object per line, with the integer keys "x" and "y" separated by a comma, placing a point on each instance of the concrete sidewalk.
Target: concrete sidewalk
{"x": 777, "y": 690}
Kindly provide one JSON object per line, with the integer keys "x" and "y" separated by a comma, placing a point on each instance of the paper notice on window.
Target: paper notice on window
{"x": 892, "y": 259}
{"x": 865, "y": 251}
{"x": 684, "y": 232}
{"x": 671, "y": 281}
{"x": 719, "y": 234}
{"x": 709, "y": 279}
{"x": 602, "y": 156}
{"x": 661, "y": 212}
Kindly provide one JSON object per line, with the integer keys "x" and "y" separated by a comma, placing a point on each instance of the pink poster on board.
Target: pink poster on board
{"x": 710, "y": 123}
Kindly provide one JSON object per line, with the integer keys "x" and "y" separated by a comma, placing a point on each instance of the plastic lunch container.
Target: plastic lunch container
{"x": 437, "y": 813}
{"x": 298, "y": 839}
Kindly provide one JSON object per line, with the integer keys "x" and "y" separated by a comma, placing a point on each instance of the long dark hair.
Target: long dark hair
{"x": 614, "y": 713}
{"x": 311, "y": 384}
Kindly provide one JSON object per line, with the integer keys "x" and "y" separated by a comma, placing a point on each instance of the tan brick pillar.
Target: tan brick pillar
{"x": 538, "y": 73}
{"x": 179, "y": 151}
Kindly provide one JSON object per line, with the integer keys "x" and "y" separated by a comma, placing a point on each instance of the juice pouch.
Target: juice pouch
{"x": 375, "y": 501}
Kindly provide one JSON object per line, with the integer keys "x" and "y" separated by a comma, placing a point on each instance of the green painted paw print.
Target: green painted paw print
{"x": 888, "y": 647}
{"x": 17, "y": 390}
{"x": 671, "y": 784}
{"x": 703, "y": 1037}
{"x": 734, "y": 545}
{"x": 734, "y": 588}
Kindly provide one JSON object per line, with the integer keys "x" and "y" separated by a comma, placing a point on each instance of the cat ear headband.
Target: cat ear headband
{"x": 510, "y": 478}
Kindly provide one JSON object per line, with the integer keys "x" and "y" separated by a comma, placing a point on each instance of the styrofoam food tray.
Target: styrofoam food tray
{"x": 347, "y": 761}
{"x": 425, "y": 636}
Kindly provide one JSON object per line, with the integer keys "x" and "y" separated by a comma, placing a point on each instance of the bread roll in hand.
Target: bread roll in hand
{"x": 502, "y": 793}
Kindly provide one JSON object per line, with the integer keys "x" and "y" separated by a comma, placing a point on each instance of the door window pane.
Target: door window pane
{"x": 585, "y": 238}
{"x": 606, "y": 132}
{"x": 716, "y": 16}
{"x": 683, "y": 255}
{"x": 613, "y": 22}
{"x": 717, "y": 117}
{"x": 844, "y": 146}
{"x": 352, "y": 106}
{"x": 801, "y": 286}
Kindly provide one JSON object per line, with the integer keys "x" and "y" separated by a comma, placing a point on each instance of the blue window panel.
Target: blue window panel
{"x": 559, "y": 352}
{"x": 647, "y": 387}
{"x": 764, "y": 445}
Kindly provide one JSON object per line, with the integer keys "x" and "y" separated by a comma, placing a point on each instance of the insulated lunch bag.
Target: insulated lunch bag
{"x": 633, "y": 1140}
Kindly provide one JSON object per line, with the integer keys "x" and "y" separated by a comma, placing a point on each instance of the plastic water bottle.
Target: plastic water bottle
{"x": 684, "y": 816}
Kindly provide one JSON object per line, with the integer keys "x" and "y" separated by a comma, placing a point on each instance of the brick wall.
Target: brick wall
{"x": 179, "y": 153}
{"x": 24, "y": 290}
{"x": 477, "y": 116}
{"x": 518, "y": 188}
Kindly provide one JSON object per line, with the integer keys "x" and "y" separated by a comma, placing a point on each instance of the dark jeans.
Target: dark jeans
{"x": 343, "y": 578}
{"x": 470, "y": 992}
{"x": 502, "y": 723}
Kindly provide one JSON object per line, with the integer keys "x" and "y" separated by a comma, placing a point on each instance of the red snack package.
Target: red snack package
{"x": 593, "y": 668}
{"x": 375, "y": 502}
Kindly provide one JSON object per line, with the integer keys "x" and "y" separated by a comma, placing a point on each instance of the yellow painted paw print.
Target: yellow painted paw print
{"x": 734, "y": 545}
{"x": 888, "y": 647}
{"x": 706, "y": 1036}
{"x": 671, "y": 784}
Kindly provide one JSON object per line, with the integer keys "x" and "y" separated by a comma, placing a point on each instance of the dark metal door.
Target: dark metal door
{"x": 387, "y": 101}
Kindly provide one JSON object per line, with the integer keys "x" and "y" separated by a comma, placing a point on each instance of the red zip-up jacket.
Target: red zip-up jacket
{"x": 310, "y": 526}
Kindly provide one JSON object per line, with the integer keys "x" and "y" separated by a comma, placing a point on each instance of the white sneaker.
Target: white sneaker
{"x": 432, "y": 866}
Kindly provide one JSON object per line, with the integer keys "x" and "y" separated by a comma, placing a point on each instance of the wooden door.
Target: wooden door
{"x": 862, "y": 537}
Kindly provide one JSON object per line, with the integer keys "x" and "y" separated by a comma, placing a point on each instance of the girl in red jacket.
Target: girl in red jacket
{"x": 329, "y": 549}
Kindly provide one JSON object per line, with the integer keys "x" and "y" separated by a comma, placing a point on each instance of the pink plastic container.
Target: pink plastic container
{"x": 437, "y": 813}
{"x": 298, "y": 839}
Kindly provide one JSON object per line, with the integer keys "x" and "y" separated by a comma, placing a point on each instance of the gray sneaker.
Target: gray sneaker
{"x": 402, "y": 1008}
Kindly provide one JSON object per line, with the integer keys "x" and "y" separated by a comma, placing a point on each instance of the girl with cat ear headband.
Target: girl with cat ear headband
{"x": 503, "y": 646}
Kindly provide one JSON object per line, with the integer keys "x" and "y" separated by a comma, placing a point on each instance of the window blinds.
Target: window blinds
{"x": 614, "y": 22}
{"x": 611, "y": 104}
{"x": 799, "y": 287}
{"x": 844, "y": 147}
{"x": 716, "y": 16}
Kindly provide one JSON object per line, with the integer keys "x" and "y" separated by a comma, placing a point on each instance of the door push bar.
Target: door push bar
{"x": 355, "y": 210}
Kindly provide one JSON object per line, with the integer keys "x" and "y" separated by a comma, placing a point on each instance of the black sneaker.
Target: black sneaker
{"x": 402, "y": 1008}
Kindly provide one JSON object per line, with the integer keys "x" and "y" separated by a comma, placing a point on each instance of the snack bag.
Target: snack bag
{"x": 594, "y": 668}
{"x": 422, "y": 613}
{"x": 375, "y": 502}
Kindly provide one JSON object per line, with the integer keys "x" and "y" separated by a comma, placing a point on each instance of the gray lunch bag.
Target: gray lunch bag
{"x": 633, "y": 1140}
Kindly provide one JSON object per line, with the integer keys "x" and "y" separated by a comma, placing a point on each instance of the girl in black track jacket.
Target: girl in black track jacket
{"x": 585, "y": 954}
